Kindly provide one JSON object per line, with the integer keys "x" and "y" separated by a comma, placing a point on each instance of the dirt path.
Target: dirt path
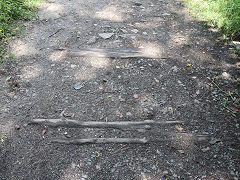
{"x": 50, "y": 84}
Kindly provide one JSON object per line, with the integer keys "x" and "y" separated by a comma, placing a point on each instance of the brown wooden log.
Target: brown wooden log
{"x": 96, "y": 124}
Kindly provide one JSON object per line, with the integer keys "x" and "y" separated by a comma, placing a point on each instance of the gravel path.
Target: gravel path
{"x": 171, "y": 85}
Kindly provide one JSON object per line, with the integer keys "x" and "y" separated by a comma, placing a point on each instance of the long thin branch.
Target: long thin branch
{"x": 102, "y": 141}
{"x": 96, "y": 124}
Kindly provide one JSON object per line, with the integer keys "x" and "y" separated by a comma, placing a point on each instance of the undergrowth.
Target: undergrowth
{"x": 224, "y": 14}
{"x": 12, "y": 11}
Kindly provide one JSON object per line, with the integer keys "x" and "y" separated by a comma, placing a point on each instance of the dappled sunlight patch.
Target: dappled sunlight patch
{"x": 31, "y": 72}
{"x": 73, "y": 172}
{"x": 147, "y": 176}
{"x": 57, "y": 55}
{"x": 85, "y": 74}
{"x": 179, "y": 39}
{"x": 6, "y": 130}
{"x": 52, "y": 8}
{"x": 152, "y": 50}
{"x": 110, "y": 13}
{"x": 183, "y": 140}
{"x": 146, "y": 105}
{"x": 97, "y": 62}
{"x": 22, "y": 49}
{"x": 147, "y": 100}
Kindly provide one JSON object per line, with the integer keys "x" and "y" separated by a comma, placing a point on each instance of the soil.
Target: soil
{"x": 47, "y": 83}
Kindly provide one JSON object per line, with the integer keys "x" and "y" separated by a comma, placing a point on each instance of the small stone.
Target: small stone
{"x": 78, "y": 86}
{"x": 154, "y": 167}
{"x": 73, "y": 65}
{"x": 68, "y": 136}
{"x": 135, "y": 31}
{"x": 106, "y": 35}
{"x": 166, "y": 14}
{"x": 113, "y": 170}
{"x": 196, "y": 101}
{"x": 165, "y": 172}
{"x": 124, "y": 30}
{"x": 136, "y": 96}
{"x": 44, "y": 132}
{"x": 174, "y": 175}
{"x": 68, "y": 115}
{"x": 174, "y": 69}
{"x": 17, "y": 127}
{"x": 145, "y": 33}
{"x": 85, "y": 176}
{"x": 92, "y": 40}
{"x": 137, "y": 4}
{"x": 181, "y": 151}
{"x": 89, "y": 163}
{"x": 214, "y": 141}
{"x": 73, "y": 165}
{"x": 180, "y": 83}
{"x": 205, "y": 149}
{"x": 226, "y": 75}
{"x": 105, "y": 80}
{"x": 197, "y": 92}
{"x": 98, "y": 167}
{"x": 11, "y": 94}
{"x": 128, "y": 114}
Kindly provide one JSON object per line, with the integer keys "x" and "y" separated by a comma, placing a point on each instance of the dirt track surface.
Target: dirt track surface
{"x": 47, "y": 83}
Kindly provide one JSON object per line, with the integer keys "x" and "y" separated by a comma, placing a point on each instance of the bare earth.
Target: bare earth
{"x": 171, "y": 85}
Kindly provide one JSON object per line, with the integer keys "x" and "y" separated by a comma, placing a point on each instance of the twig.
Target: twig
{"x": 55, "y": 32}
{"x": 217, "y": 86}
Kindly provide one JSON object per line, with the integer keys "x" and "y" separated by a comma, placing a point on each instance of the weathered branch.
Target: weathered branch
{"x": 102, "y": 141}
{"x": 111, "y": 53}
{"x": 96, "y": 124}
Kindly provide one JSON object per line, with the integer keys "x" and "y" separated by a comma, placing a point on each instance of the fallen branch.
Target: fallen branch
{"x": 102, "y": 141}
{"x": 118, "y": 140}
{"x": 111, "y": 53}
{"x": 96, "y": 124}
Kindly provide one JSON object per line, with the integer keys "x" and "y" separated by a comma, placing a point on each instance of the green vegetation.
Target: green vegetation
{"x": 12, "y": 11}
{"x": 224, "y": 14}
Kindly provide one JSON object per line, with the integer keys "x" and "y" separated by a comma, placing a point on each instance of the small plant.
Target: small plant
{"x": 98, "y": 154}
{"x": 2, "y": 138}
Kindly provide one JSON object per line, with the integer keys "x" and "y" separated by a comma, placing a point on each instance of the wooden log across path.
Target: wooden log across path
{"x": 113, "y": 53}
{"x": 97, "y": 124}
{"x": 196, "y": 139}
